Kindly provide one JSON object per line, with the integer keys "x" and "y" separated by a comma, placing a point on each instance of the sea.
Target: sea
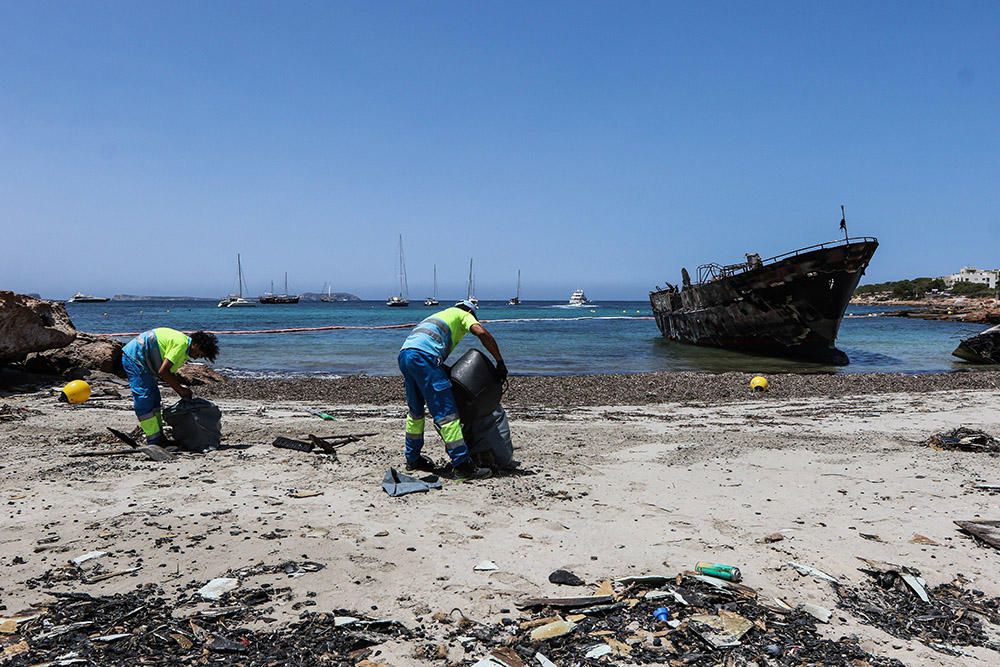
{"x": 536, "y": 338}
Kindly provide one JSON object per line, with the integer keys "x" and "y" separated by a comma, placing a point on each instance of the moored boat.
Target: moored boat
{"x": 516, "y": 299}
{"x": 237, "y": 300}
{"x": 79, "y": 297}
{"x": 433, "y": 300}
{"x": 400, "y": 300}
{"x": 578, "y": 298}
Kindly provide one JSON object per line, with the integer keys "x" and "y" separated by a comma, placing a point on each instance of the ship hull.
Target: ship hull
{"x": 791, "y": 307}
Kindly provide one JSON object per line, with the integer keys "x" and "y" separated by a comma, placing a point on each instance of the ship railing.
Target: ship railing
{"x": 713, "y": 271}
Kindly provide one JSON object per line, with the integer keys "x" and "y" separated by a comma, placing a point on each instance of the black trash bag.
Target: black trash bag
{"x": 196, "y": 424}
{"x": 489, "y": 440}
{"x": 474, "y": 385}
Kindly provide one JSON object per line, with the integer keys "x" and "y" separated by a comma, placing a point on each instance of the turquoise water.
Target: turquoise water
{"x": 537, "y": 338}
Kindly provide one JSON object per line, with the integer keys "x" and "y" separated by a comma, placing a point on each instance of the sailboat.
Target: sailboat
{"x": 471, "y": 288}
{"x": 400, "y": 300}
{"x": 237, "y": 300}
{"x": 327, "y": 298}
{"x": 516, "y": 299}
{"x": 271, "y": 297}
{"x": 433, "y": 300}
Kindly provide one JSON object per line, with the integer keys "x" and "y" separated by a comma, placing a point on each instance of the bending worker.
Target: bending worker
{"x": 421, "y": 360}
{"x": 157, "y": 355}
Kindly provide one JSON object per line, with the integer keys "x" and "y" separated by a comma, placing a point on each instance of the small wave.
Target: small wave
{"x": 568, "y": 319}
{"x": 246, "y": 373}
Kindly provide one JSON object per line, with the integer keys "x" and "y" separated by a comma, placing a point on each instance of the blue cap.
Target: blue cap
{"x": 468, "y": 304}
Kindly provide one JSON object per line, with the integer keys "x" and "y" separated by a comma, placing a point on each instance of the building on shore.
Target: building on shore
{"x": 969, "y": 274}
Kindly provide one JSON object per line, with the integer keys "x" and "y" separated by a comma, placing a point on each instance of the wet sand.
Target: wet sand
{"x": 622, "y": 476}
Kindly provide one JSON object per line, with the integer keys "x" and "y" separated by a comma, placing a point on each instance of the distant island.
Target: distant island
{"x": 310, "y": 297}
{"x": 135, "y": 297}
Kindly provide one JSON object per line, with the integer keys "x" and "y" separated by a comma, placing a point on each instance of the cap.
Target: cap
{"x": 468, "y": 304}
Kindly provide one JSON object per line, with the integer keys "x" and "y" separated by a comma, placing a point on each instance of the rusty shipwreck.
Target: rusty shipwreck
{"x": 790, "y": 305}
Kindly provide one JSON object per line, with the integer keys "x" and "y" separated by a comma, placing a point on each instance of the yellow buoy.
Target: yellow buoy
{"x": 759, "y": 383}
{"x": 76, "y": 391}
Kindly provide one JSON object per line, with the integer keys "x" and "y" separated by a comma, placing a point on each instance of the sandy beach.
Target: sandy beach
{"x": 613, "y": 488}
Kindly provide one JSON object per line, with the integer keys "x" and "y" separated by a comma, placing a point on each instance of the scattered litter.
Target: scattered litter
{"x": 871, "y": 536}
{"x": 97, "y": 578}
{"x": 598, "y": 651}
{"x": 282, "y": 442}
{"x": 604, "y": 588}
{"x": 565, "y": 578}
{"x": 397, "y": 484}
{"x": 552, "y": 630}
{"x": 485, "y": 566}
{"x": 294, "y": 569}
{"x": 93, "y": 555}
{"x": 565, "y": 603}
{"x": 543, "y": 661}
{"x": 723, "y": 629}
{"x": 964, "y": 440}
{"x": 812, "y": 572}
{"x": 987, "y": 532}
{"x": 305, "y": 493}
{"x": 216, "y": 588}
{"x": 821, "y": 614}
{"x": 718, "y": 570}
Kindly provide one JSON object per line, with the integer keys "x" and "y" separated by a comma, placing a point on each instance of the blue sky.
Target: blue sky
{"x": 596, "y": 145}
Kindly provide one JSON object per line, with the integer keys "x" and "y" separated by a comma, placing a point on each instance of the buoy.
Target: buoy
{"x": 76, "y": 391}
{"x": 759, "y": 383}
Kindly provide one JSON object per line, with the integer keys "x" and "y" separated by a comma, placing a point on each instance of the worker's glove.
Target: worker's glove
{"x": 501, "y": 371}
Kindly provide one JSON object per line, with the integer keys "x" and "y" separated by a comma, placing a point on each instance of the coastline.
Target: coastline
{"x": 973, "y": 310}
{"x": 598, "y": 390}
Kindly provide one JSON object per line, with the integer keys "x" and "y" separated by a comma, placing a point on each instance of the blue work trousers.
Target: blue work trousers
{"x": 427, "y": 384}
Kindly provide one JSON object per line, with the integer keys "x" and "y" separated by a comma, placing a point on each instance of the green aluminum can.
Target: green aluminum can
{"x": 718, "y": 570}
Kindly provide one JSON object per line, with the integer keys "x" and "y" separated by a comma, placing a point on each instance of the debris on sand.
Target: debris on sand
{"x": 896, "y": 600}
{"x": 140, "y": 628}
{"x": 964, "y": 439}
{"x": 708, "y": 625}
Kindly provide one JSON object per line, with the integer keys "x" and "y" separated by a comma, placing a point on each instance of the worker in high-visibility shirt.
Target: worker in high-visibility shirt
{"x": 421, "y": 360}
{"x": 157, "y": 355}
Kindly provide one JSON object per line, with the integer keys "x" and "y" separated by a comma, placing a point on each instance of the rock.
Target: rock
{"x": 85, "y": 354}
{"x": 31, "y": 325}
{"x": 199, "y": 374}
{"x": 566, "y": 578}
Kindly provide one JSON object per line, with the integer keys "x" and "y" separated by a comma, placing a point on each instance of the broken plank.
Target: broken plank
{"x": 566, "y": 603}
{"x": 987, "y": 532}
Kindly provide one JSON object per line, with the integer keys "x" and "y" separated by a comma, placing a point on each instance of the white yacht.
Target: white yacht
{"x": 237, "y": 300}
{"x": 80, "y": 297}
{"x": 578, "y": 298}
{"x": 401, "y": 300}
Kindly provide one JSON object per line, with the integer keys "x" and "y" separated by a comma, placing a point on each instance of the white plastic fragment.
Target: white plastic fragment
{"x": 543, "y": 661}
{"x": 917, "y": 585}
{"x": 813, "y": 572}
{"x": 821, "y": 614}
{"x": 93, "y": 555}
{"x": 344, "y": 620}
{"x": 598, "y": 651}
{"x": 111, "y": 638}
{"x": 486, "y": 566}
{"x": 216, "y": 588}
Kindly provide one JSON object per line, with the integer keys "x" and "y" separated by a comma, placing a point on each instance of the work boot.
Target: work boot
{"x": 469, "y": 470}
{"x": 424, "y": 463}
